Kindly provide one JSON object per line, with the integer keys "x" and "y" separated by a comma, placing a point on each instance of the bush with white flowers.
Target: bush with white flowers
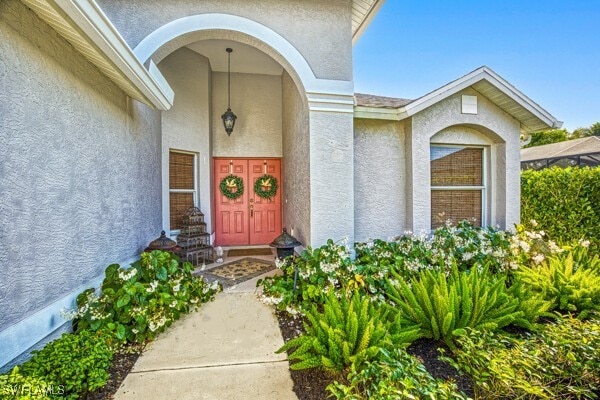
{"x": 137, "y": 303}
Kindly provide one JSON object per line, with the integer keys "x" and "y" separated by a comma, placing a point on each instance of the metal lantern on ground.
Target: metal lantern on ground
{"x": 163, "y": 243}
{"x": 285, "y": 244}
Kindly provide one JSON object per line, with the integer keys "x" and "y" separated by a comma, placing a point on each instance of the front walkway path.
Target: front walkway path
{"x": 226, "y": 350}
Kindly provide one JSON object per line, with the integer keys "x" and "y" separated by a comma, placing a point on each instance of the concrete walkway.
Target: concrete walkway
{"x": 226, "y": 350}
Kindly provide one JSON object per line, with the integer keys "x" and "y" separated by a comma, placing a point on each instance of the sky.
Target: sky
{"x": 549, "y": 50}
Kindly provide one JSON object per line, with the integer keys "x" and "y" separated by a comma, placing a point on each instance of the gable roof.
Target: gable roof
{"x": 508, "y": 98}
{"x": 363, "y": 12}
{"x": 567, "y": 148}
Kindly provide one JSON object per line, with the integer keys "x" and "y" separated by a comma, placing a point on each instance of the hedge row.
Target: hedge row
{"x": 564, "y": 202}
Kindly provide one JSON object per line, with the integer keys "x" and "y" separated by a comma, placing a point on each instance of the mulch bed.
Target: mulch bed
{"x": 310, "y": 384}
{"x": 123, "y": 362}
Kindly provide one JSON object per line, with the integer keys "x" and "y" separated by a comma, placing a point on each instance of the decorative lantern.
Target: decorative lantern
{"x": 163, "y": 243}
{"x": 285, "y": 244}
{"x": 228, "y": 116}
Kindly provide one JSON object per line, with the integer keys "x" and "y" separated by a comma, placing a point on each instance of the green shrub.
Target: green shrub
{"x": 15, "y": 386}
{"x": 564, "y": 202}
{"x": 465, "y": 245}
{"x": 138, "y": 303}
{"x": 347, "y": 332}
{"x": 318, "y": 271}
{"x": 560, "y": 362}
{"x": 77, "y": 363}
{"x": 444, "y": 305}
{"x": 397, "y": 375}
{"x": 570, "y": 281}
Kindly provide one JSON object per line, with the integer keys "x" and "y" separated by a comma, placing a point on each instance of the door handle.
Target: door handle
{"x": 251, "y": 210}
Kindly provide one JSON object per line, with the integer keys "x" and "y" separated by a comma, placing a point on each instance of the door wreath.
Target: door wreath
{"x": 266, "y": 186}
{"x": 232, "y": 186}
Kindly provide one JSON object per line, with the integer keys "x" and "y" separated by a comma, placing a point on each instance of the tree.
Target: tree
{"x": 547, "y": 137}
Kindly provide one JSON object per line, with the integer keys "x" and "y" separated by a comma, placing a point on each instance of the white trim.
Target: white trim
{"x": 482, "y": 73}
{"x": 366, "y": 21}
{"x": 194, "y": 191}
{"x": 205, "y": 22}
{"x": 484, "y": 178}
{"x": 83, "y": 23}
{"x": 19, "y": 337}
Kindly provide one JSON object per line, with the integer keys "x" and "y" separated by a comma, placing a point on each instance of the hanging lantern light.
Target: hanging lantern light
{"x": 228, "y": 116}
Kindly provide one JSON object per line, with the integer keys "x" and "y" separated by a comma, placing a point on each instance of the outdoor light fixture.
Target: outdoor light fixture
{"x": 228, "y": 116}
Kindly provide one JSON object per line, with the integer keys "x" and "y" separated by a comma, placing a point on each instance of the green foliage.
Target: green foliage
{"x": 465, "y": 245}
{"x": 444, "y": 306}
{"x": 76, "y": 363}
{"x": 347, "y": 332}
{"x": 564, "y": 202}
{"x": 138, "y": 303}
{"x": 397, "y": 375}
{"x": 547, "y": 137}
{"x": 318, "y": 271}
{"x": 593, "y": 130}
{"x": 560, "y": 362}
{"x": 15, "y": 386}
{"x": 569, "y": 281}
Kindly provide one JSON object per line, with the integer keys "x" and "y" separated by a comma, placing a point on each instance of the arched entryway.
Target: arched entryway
{"x": 267, "y": 95}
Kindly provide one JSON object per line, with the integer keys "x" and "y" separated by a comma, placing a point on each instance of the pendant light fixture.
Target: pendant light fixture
{"x": 228, "y": 116}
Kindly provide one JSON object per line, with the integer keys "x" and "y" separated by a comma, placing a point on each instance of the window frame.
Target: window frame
{"x": 194, "y": 191}
{"x": 484, "y": 178}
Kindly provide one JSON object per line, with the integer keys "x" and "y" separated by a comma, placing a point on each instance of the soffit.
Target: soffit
{"x": 84, "y": 25}
{"x": 363, "y": 11}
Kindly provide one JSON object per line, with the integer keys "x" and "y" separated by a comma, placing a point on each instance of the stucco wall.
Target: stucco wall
{"x": 186, "y": 126}
{"x": 80, "y": 168}
{"x": 256, "y": 100}
{"x": 296, "y": 162}
{"x": 379, "y": 179}
{"x": 491, "y": 121}
{"x": 302, "y": 22}
{"x": 332, "y": 176}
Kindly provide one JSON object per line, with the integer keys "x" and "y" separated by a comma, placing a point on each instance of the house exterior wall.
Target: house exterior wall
{"x": 302, "y": 22}
{"x": 80, "y": 169}
{"x": 379, "y": 179}
{"x": 296, "y": 162}
{"x": 256, "y": 100}
{"x": 503, "y": 132}
{"x": 187, "y": 125}
{"x": 331, "y": 176}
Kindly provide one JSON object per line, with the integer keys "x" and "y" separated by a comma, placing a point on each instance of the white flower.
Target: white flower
{"x": 533, "y": 223}
{"x": 125, "y": 276}
{"x": 153, "y": 286}
{"x": 538, "y": 258}
{"x": 584, "y": 243}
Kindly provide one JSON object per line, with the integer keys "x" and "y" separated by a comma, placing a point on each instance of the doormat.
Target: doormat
{"x": 250, "y": 252}
{"x": 237, "y": 271}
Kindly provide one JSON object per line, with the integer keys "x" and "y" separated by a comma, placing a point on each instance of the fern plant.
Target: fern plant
{"x": 444, "y": 305}
{"x": 570, "y": 281}
{"x": 348, "y": 331}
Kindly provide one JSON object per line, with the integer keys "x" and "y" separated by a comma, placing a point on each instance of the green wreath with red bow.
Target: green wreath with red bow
{"x": 232, "y": 186}
{"x": 266, "y": 186}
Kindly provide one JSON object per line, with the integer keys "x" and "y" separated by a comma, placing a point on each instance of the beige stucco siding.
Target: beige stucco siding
{"x": 186, "y": 126}
{"x": 500, "y": 128}
{"x": 379, "y": 179}
{"x": 80, "y": 168}
{"x": 296, "y": 162}
{"x": 256, "y": 100}
{"x": 302, "y": 22}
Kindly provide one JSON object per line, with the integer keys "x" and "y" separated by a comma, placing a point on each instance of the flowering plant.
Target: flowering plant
{"x": 307, "y": 278}
{"x": 136, "y": 304}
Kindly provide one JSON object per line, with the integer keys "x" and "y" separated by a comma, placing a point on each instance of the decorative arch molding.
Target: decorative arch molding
{"x": 468, "y": 133}
{"x": 321, "y": 94}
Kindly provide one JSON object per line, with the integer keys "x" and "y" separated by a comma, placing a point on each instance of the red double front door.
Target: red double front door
{"x": 249, "y": 219}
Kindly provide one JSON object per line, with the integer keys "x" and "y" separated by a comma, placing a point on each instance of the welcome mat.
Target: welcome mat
{"x": 237, "y": 271}
{"x": 249, "y": 252}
